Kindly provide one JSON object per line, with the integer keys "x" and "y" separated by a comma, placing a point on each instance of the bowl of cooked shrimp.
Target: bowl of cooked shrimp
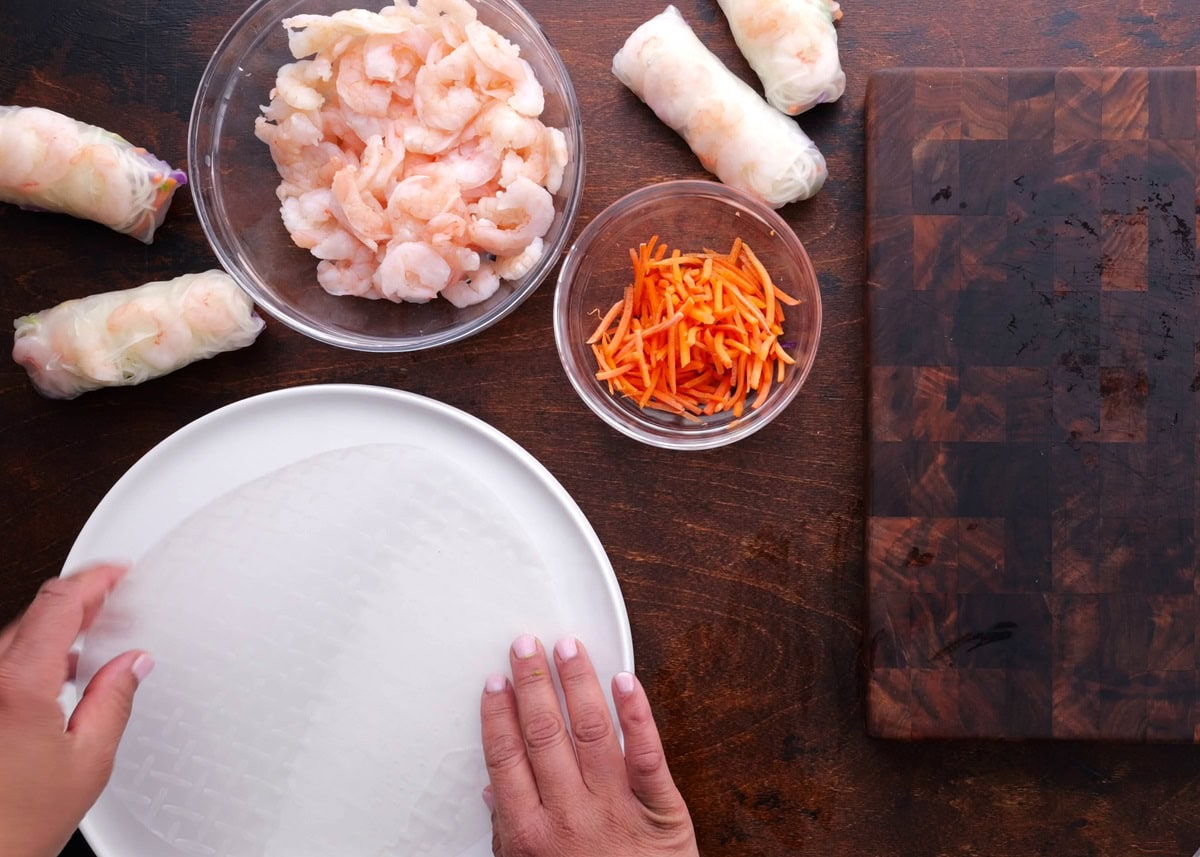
{"x": 687, "y": 315}
{"x": 387, "y": 179}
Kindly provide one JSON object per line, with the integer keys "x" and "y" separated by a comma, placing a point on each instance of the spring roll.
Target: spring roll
{"x": 792, "y": 47}
{"x": 736, "y": 135}
{"x": 118, "y": 339}
{"x": 51, "y": 162}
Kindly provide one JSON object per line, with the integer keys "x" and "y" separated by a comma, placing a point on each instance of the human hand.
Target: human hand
{"x": 50, "y": 777}
{"x": 556, "y": 793}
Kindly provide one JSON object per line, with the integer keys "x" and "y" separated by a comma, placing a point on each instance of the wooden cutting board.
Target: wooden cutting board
{"x": 1033, "y": 355}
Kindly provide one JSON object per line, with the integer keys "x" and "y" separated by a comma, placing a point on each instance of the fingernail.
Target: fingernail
{"x": 624, "y": 683}
{"x": 489, "y": 798}
{"x": 142, "y": 665}
{"x": 525, "y": 646}
{"x": 495, "y": 683}
{"x": 567, "y": 648}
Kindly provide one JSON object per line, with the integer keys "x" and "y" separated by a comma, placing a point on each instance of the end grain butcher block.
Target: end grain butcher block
{"x": 1033, "y": 351}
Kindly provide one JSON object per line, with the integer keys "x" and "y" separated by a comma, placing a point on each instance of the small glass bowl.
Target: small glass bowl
{"x": 689, "y": 216}
{"x": 233, "y": 182}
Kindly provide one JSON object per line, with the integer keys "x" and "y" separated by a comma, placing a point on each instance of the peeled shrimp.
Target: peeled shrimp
{"x": 412, "y": 272}
{"x": 409, "y": 149}
{"x": 472, "y": 290}
{"x": 508, "y": 222}
{"x": 445, "y": 96}
{"x": 515, "y": 267}
{"x": 360, "y": 214}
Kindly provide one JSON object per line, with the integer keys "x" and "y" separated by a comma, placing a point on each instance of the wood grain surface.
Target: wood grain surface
{"x": 743, "y": 569}
{"x": 1032, "y": 332}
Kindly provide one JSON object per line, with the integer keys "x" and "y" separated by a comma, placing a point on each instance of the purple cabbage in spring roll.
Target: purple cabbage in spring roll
{"x": 51, "y": 162}
{"x": 117, "y": 339}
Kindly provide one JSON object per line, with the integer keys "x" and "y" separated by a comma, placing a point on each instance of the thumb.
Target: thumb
{"x": 100, "y": 718}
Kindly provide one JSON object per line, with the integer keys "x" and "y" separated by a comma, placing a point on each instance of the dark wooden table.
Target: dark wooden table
{"x": 746, "y": 590}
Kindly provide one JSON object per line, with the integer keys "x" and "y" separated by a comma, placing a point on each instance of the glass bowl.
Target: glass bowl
{"x": 233, "y": 182}
{"x": 689, "y": 216}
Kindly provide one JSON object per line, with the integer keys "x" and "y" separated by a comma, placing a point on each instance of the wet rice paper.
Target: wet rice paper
{"x": 52, "y": 162}
{"x": 736, "y": 135}
{"x": 792, "y": 47}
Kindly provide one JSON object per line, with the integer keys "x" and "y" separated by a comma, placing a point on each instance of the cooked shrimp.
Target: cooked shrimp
{"x": 445, "y": 96}
{"x": 350, "y": 276}
{"x": 295, "y": 90}
{"x": 515, "y": 267}
{"x": 472, "y": 164}
{"x": 359, "y": 92}
{"x": 381, "y": 160}
{"x": 361, "y": 214}
{"x": 543, "y": 162}
{"x": 408, "y": 146}
{"x": 325, "y": 34}
{"x": 152, "y": 331}
{"x": 207, "y": 307}
{"x": 502, "y": 127}
{"x": 506, "y": 223}
{"x": 476, "y": 288}
{"x": 425, "y": 196}
{"x": 560, "y": 156}
{"x": 308, "y": 217}
{"x": 528, "y": 99}
{"x": 458, "y": 12}
{"x": 413, "y": 272}
{"x": 494, "y": 51}
{"x": 429, "y": 141}
{"x": 382, "y": 59}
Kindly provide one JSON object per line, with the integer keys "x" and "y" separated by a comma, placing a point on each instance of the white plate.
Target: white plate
{"x": 240, "y": 443}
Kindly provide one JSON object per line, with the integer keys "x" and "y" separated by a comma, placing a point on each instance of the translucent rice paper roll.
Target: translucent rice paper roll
{"x": 55, "y": 163}
{"x": 744, "y": 141}
{"x": 792, "y": 47}
{"x": 118, "y": 339}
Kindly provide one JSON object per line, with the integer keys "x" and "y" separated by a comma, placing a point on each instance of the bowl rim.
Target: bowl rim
{"x": 207, "y": 92}
{"x": 605, "y": 405}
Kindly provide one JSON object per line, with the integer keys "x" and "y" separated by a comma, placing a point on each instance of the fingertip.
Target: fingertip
{"x": 142, "y": 666}
{"x": 566, "y": 649}
{"x": 495, "y": 683}
{"x": 624, "y": 684}
{"x": 525, "y": 647}
{"x": 113, "y": 570}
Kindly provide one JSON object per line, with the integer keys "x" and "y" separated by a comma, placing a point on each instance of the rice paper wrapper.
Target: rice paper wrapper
{"x": 55, "y": 163}
{"x": 322, "y": 636}
{"x": 792, "y": 47}
{"x": 737, "y": 136}
{"x": 122, "y": 338}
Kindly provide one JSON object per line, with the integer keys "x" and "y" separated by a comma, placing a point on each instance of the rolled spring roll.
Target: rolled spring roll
{"x": 118, "y": 339}
{"x": 792, "y": 47}
{"x": 739, "y": 137}
{"x": 51, "y": 162}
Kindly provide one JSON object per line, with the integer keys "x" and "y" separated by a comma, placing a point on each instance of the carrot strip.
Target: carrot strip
{"x": 606, "y": 321}
{"x": 694, "y": 334}
{"x": 784, "y": 298}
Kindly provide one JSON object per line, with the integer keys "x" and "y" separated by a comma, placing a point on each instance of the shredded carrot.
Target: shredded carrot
{"x": 694, "y": 334}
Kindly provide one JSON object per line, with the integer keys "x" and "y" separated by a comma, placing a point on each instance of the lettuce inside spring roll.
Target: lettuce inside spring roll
{"x": 118, "y": 339}
{"x": 52, "y": 162}
{"x": 792, "y": 47}
{"x": 736, "y": 135}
